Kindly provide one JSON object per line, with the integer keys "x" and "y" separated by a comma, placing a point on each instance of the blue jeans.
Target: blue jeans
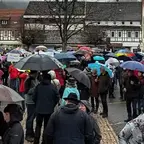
{"x": 23, "y": 102}
{"x": 30, "y": 120}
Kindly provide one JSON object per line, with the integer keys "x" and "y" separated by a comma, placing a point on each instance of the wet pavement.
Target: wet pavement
{"x": 117, "y": 112}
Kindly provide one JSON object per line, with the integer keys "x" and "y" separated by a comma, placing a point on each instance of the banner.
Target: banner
{"x": 12, "y": 57}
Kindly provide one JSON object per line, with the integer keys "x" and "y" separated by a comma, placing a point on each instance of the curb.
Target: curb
{"x": 108, "y": 134}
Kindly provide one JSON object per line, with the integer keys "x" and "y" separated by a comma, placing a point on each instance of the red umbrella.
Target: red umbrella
{"x": 85, "y": 48}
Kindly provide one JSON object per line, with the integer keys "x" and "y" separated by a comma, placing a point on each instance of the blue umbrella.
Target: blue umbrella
{"x": 97, "y": 66}
{"x": 65, "y": 56}
{"x": 98, "y": 58}
{"x": 133, "y": 65}
{"x": 111, "y": 55}
{"x": 16, "y": 51}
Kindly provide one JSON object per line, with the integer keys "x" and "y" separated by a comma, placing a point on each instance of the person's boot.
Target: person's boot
{"x": 104, "y": 115}
{"x": 29, "y": 139}
{"x": 113, "y": 96}
{"x": 95, "y": 111}
{"x": 92, "y": 110}
{"x": 101, "y": 113}
{"x": 127, "y": 120}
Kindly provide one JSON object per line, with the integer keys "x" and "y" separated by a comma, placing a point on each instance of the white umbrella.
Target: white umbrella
{"x": 112, "y": 61}
{"x": 41, "y": 47}
{"x": 9, "y": 95}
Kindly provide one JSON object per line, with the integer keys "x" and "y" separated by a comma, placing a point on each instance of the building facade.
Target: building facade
{"x": 120, "y": 20}
{"x": 10, "y": 26}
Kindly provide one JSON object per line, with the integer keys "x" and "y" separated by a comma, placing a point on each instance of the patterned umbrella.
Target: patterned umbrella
{"x": 9, "y": 95}
{"x": 125, "y": 54}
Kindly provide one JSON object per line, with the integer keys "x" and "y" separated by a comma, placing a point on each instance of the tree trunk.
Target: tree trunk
{"x": 64, "y": 45}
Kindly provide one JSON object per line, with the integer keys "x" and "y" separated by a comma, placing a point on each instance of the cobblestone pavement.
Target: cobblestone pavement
{"x": 108, "y": 135}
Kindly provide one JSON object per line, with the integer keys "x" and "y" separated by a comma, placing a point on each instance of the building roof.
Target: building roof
{"x": 98, "y": 11}
{"x": 43, "y": 8}
{"x": 11, "y": 13}
{"x": 115, "y": 11}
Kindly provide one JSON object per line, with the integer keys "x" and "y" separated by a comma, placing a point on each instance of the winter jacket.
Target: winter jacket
{"x": 133, "y": 131}
{"x": 69, "y": 125}
{"x": 30, "y": 85}
{"x": 94, "y": 86}
{"x": 3, "y": 125}
{"x": 60, "y": 77}
{"x": 104, "y": 83}
{"x": 132, "y": 85}
{"x": 22, "y": 78}
{"x": 67, "y": 91}
{"x": 14, "y": 134}
{"x": 1, "y": 74}
{"x": 84, "y": 91}
{"x": 13, "y": 72}
{"x": 46, "y": 97}
{"x": 96, "y": 131}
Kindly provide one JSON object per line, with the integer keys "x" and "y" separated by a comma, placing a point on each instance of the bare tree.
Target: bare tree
{"x": 69, "y": 17}
{"x": 32, "y": 33}
{"x": 94, "y": 35}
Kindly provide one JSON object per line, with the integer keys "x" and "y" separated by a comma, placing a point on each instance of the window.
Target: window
{"x": 114, "y": 22}
{"x": 4, "y": 22}
{"x": 136, "y": 34}
{"x": 123, "y": 22}
{"x": 129, "y": 34}
{"x": 119, "y": 34}
{"x": 112, "y": 34}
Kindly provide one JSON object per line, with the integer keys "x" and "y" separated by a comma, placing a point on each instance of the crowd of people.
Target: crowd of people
{"x": 61, "y": 102}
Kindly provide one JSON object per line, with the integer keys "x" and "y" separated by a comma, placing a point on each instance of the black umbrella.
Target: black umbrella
{"x": 38, "y": 62}
{"x": 124, "y": 58}
{"x": 79, "y": 76}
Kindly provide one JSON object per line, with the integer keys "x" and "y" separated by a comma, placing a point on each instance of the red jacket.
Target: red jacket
{"x": 60, "y": 76}
{"x": 22, "y": 78}
{"x": 13, "y": 72}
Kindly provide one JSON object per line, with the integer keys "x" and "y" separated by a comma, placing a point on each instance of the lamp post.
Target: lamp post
{"x": 142, "y": 26}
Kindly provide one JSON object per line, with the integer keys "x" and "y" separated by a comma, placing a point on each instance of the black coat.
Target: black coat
{"x": 132, "y": 90}
{"x": 14, "y": 134}
{"x": 84, "y": 92}
{"x": 96, "y": 131}
{"x": 3, "y": 125}
{"x": 104, "y": 82}
{"x": 69, "y": 125}
{"x": 45, "y": 97}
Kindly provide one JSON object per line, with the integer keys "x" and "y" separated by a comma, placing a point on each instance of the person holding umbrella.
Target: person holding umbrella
{"x": 94, "y": 91}
{"x": 132, "y": 92}
{"x": 30, "y": 85}
{"x": 104, "y": 83}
